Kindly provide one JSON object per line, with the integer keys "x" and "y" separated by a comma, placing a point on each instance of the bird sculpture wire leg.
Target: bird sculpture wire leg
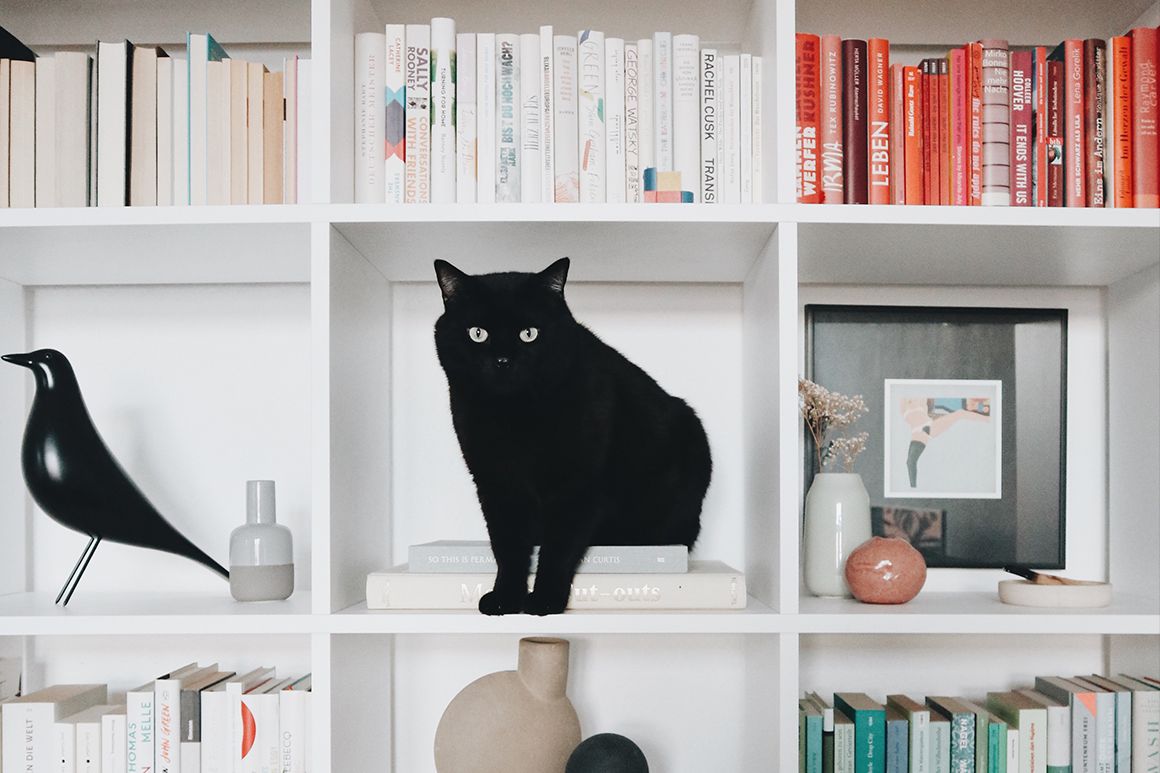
{"x": 78, "y": 571}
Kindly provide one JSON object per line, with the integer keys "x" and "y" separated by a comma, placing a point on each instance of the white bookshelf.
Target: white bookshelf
{"x": 216, "y": 344}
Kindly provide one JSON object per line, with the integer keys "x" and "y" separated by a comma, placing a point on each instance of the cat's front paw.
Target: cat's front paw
{"x": 496, "y": 603}
{"x": 537, "y": 603}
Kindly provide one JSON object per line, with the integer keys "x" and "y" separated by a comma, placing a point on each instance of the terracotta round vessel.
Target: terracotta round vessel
{"x": 512, "y": 721}
{"x": 885, "y": 571}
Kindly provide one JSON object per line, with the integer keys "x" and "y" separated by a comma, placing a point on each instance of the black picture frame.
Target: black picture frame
{"x": 855, "y": 349}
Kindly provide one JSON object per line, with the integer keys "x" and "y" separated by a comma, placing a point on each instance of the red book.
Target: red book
{"x": 833, "y": 187}
{"x": 878, "y": 123}
{"x": 854, "y": 132}
{"x": 959, "y": 141}
{"x": 808, "y": 88}
{"x": 1055, "y": 112}
{"x": 975, "y": 113}
{"x": 1145, "y": 141}
{"x": 1070, "y": 53}
{"x": 913, "y": 123}
{"x": 936, "y": 149}
{"x": 897, "y": 136}
{"x": 1119, "y": 189}
{"x": 929, "y": 147}
{"x": 1021, "y": 139}
{"x": 1095, "y": 67}
{"x": 1041, "y": 126}
{"x": 944, "y": 118}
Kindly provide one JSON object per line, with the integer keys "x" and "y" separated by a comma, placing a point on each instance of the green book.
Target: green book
{"x": 809, "y": 736}
{"x": 919, "y": 753}
{"x": 940, "y": 743}
{"x": 962, "y": 721}
{"x": 1056, "y": 734}
{"x": 827, "y": 731}
{"x": 869, "y": 730}
{"x": 993, "y": 730}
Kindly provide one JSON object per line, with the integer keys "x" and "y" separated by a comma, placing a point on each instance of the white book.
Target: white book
{"x": 648, "y": 157}
{"x": 29, "y": 723}
{"x": 632, "y": 123}
{"x": 758, "y": 191}
{"x": 201, "y": 49}
{"x": 217, "y": 143}
{"x": 140, "y": 729}
{"x": 143, "y": 127}
{"x": 113, "y": 65}
{"x": 370, "y": 117}
{"x": 418, "y": 85}
{"x": 590, "y": 101}
{"x": 255, "y": 140}
{"x": 729, "y": 130}
{"x": 114, "y": 736}
{"x": 745, "y": 122}
{"x": 168, "y": 722}
{"x": 1145, "y": 718}
{"x": 547, "y": 115}
{"x": 442, "y": 111}
{"x": 663, "y": 100}
{"x": 164, "y": 189}
{"x": 567, "y": 143}
{"x": 92, "y": 135}
{"x": 1013, "y": 744}
{"x": 485, "y": 117}
{"x": 507, "y": 120}
{"x": 294, "y": 726}
{"x": 465, "y": 139}
{"x": 614, "y": 152}
{"x": 64, "y": 746}
{"x": 5, "y": 124}
{"x": 87, "y": 738}
{"x": 290, "y": 137}
{"x": 707, "y": 585}
{"x": 940, "y": 746}
{"x": 46, "y": 131}
{"x": 180, "y": 132}
{"x": 530, "y": 96}
{"x": 220, "y": 714}
{"x": 395, "y": 123}
{"x": 918, "y": 736}
{"x": 687, "y": 112}
{"x": 302, "y": 186}
{"x": 260, "y": 707}
{"x": 709, "y": 119}
{"x": 22, "y": 135}
{"x": 239, "y": 144}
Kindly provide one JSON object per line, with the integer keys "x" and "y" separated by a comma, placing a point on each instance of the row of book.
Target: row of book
{"x": 192, "y": 720}
{"x": 131, "y": 125}
{"x": 443, "y": 117}
{"x": 985, "y": 125}
{"x": 1085, "y": 724}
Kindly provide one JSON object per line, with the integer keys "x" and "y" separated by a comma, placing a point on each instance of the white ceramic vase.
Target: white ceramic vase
{"x": 837, "y": 520}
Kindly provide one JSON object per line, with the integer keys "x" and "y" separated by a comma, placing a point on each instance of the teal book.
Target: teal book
{"x": 962, "y": 721}
{"x": 809, "y": 736}
{"x": 897, "y": 741}
{"x": 993, "y": 730}
{"x": 869, "y": 719}
{"x": 828, "y": 762}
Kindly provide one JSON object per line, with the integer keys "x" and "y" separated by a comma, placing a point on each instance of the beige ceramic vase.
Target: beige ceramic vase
{"x": 512, "y": 721}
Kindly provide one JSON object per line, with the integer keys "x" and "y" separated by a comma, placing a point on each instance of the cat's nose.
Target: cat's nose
{"x": 502, "y": 362}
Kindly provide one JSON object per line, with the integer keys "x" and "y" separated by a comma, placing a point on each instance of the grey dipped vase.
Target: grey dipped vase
{"x": 512, "y": 721}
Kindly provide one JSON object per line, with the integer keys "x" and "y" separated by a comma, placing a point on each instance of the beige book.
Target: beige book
{"x": 143, "y": 129}
{"x": 255, "y": 83}
{"x": 217, "y": 152}
{"x": 239, "y": 146}
{"x": 22, "y": 136}
{"x": 29, "y": 722}
{"x": 273, "y": 111}
{"x": 5, "y": 85}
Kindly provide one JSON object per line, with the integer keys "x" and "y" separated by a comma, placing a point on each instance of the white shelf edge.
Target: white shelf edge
{"x": 880, "y": 214}
{"x": 58, "y": 217}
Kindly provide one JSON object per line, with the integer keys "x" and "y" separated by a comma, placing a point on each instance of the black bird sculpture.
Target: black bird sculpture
{"x": 75, "y": 479}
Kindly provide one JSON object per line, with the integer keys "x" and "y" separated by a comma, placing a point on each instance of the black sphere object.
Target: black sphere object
{"x": 607, "y": 753}
{"x": 75, "y": 479}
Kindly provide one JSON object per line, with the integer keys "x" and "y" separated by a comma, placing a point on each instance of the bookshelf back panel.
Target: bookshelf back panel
{"x": 195, "y": 389}
{"x": 687, "y": 337}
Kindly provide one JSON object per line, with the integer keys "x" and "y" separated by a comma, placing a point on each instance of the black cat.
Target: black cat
{"x": 569, "y": 443}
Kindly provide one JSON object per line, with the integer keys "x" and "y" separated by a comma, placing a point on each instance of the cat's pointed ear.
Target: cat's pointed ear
{"x": 451, "y": 279}
{"x": 556, "y": 275}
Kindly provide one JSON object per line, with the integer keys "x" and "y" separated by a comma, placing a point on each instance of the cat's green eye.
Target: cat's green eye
{"x": 529, "y": 334}
{"x": 477, "y": 334}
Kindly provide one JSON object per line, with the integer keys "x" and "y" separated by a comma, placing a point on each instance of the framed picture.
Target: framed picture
{"x": 967, "y": 422}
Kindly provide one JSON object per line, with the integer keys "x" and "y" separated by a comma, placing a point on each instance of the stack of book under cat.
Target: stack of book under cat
{"x": 192, "y": 719}
{"x": 1086, "y": 724}
{"x": 454, "y": 574}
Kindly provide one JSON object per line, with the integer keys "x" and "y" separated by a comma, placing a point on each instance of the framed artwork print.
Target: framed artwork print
{"x": 967, "y": 422}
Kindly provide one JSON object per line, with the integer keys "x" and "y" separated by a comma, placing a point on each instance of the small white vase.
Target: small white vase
{"x": 837, "y": 520}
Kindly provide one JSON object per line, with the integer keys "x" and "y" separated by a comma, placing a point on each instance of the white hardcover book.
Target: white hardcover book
{"x": 64, "y": 746}
{"x": 590, "y": 102}
{"x": 74, "y": 73}
{"x": 758, "y": 191}
{"x": 663, "y": 100}
{"x": 443, "y": 110}
{"x": 30, "y": 720}
{"x": 507, "y": 124}
{"x": 531, "y": 162}
{"x": 92, "y": 135}
{"x": 191, "y": 757}
{"x": 745, "y": 122}
{"x": 216, "y": 730}
{"x": 940, "y": 746}
{"x": 709, "y": 110}
{"x": 302, "y": 186}
{"x": 167, "y": 727}
{"x": 143, "y": 127}
{"x": 686, "y": 112}
{"x": 114, "y": 735}
{"x": 5, "y": 125}
{"x": 465, "y": 89}
{"x": 648, "y": 157}
{"x": 217, "y": 142}
{"x": 113, "y": 63}
{"x": 180, "y": 132}
{"x": 140, "y": 729}
{"x": 290, "y": 137}
{"x": 164, "y": 189}
{"x": 614, "y": 145}
{"x": 567, "y": 143}
{"x": 22, "y": 134}
{"x": 46, "y": 131}
{"x": 87, "y": 738}
{"x": 418, "y": 85}
{"x": 260, "y": 709}
{"x": 1058, "y": 728}
{"x": 729, "y": 130}
{"x": 201, "y": 50}
{"x": 395, "y": 123}
{"x": 632, "y": 123}
{"x": 255, "y": 149}
{"x": 370, "y": 117}
{"x": 547, "y": 115}
{"x": 1012, "y": 751}
{"x": 485, "y": 117}
{"x": 294, "y": 724}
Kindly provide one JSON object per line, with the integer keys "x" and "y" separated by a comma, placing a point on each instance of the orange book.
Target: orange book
{"x": 1120, "y": 121}
{"x": 808, "y": 118}
{"x": 975, "y": 116}
{"x": 929, "y": 145}
{"x": 944, "y": 117}
{"x": 912, "y": 120}
{"x": 959, "y": 126}
{"x": 1145, "y": 117}
{"x": 897, "y": 137}
{"x": 878, "y": 134}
